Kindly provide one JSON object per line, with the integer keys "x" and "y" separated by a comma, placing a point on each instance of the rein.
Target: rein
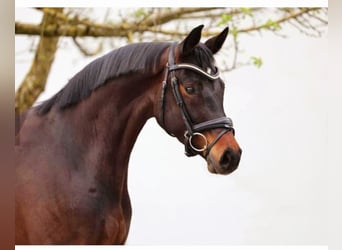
{"x": 192, "y": 130}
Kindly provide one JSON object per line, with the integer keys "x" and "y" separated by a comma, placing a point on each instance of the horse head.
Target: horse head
{"x": 191, "y": 106}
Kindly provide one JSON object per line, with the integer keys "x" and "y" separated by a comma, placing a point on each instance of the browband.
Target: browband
{"x": 194, "y": 68}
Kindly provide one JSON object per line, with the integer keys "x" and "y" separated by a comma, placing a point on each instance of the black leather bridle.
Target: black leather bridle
{"x": 192, "y": 130}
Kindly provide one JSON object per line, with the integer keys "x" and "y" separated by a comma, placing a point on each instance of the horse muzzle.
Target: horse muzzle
{"x": 227, "y": 163}
{"x": 224, "y": 158}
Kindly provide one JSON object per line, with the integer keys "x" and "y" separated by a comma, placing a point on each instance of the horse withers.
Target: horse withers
{"x": 72, "y": 151}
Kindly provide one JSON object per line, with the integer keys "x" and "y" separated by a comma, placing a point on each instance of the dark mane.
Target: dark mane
{"x": 133, "y": 58}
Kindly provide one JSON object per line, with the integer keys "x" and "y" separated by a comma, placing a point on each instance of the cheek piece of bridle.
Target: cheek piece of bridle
{"x": 192, "y": 130}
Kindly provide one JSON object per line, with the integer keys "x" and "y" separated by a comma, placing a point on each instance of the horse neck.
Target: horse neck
{"x": 105, "y": 125}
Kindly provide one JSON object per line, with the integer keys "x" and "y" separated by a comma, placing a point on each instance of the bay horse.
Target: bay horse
{"x": 72, "y": 151}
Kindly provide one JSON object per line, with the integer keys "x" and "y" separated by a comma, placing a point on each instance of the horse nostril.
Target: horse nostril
{"x": 230, "y": 160}
{"x": 226, "y": 159}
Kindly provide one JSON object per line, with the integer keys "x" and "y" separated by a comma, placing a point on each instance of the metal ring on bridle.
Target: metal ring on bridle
{"x": 203, "y": 138}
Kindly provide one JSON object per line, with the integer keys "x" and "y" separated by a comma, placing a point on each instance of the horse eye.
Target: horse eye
{"x": 190, "y": 90}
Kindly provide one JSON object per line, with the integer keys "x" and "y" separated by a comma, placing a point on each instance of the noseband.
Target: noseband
{"x": 192, "y": 130}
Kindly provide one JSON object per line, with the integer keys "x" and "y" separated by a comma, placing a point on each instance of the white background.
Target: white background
{"x": 279, "y": 193}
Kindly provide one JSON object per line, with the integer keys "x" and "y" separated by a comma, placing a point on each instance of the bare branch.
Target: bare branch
{"x": 86, "y": 51}
{"x": 86, "y": 28}
{"x": 291, "y": 15}
{"x": 172, "y": 14}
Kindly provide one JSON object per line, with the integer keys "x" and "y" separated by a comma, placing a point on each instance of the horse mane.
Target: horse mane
{"x": 132, "y": 58}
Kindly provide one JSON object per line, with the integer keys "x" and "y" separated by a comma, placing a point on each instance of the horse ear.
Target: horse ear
{"x": 194, "y": 37}
{"x": 215, "y": 43}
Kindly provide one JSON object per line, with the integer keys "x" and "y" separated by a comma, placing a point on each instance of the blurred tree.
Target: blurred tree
{"x": 153, "y": 24}
{"x": 35, "y": 79}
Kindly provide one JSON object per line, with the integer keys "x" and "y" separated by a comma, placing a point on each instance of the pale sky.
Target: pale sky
{"x": 278, "y": 195}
